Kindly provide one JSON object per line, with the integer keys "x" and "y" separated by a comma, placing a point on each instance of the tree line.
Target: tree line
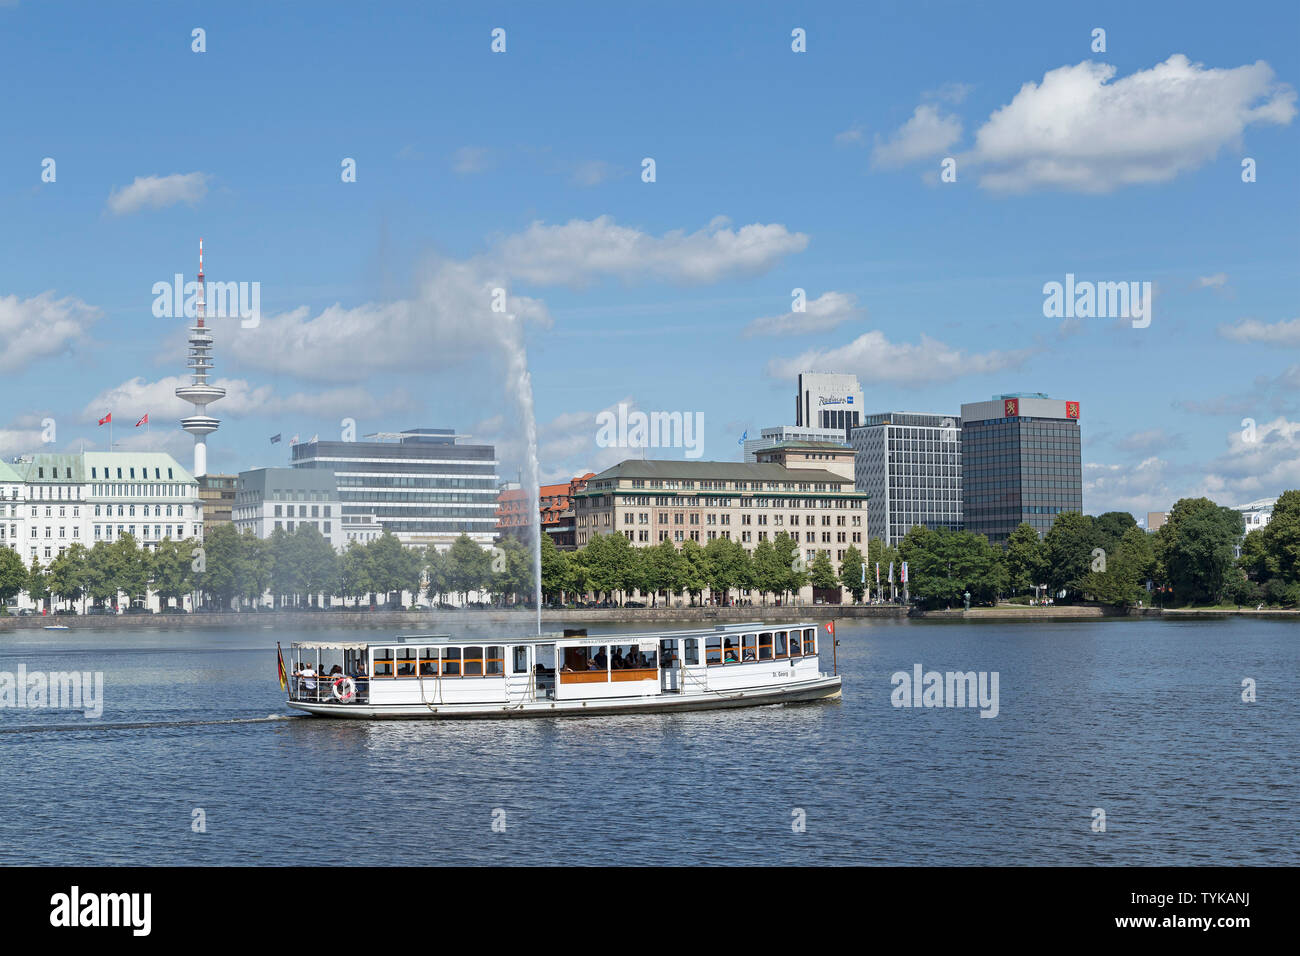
{"x": 1107, "y": 558}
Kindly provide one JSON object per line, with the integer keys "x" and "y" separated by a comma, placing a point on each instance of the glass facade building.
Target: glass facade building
{"x": 424, "y": 487}
{"x": 1021, "y": 463}
{"x": 910, "y": 463}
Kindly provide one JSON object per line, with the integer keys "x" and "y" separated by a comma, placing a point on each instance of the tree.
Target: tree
{"x": 220, "y": 579}
{"x": 555, "y": 569}
{"x": 727, "y": 565}
{"x": 170, "y": 571}
{"x": 1109, "y": 528}
{"x": 317, "y": 561}
{"x": 37, "y": 587}
{"x": 13, "y": 574}
{"x": 792, "y": 576}
{"x": 101, "y": 572}
{"x": 822, "y": 573}
{"x": 943, "y": 565}
{"x": 1197, "y": 545}
{"x": 132, "y": 569}
{"x": 853, "y": 572}
{"x": 1068, "y": 545}
{"x": 695, "y": 566}
{"x": 1025, "y": 559}
{"x": 769, "y": 573}
{"x": 881, "y": 555}
{"x": 469, "y": 566}
{"x": 254, "y": 561}
{"x": 512, "y": 571}
{"x": 664, "y": 570}
{"x": 437, "y": 572}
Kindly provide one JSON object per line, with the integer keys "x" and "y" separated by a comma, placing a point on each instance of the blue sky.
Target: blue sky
{"x": 775, "y": 170}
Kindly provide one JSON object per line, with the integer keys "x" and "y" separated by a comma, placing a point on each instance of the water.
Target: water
{"x": 1143, "y": 719}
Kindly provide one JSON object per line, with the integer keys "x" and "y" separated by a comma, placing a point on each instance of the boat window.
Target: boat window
{"x": 750, "y": 647}
{"x": 406, "y": 657}
{"x": 451, "y": 662}
{"x": 731, "y": 650}
{"x": 578, "y": 659}
{"x": 691, "y": 651}
{"x": 495, "y": 662}
{"x": 473, "y": 662}
{"x": 429, "y": 662}
{"x": 810, "y": 640}
{"x": 520, "y": 664}
{"x": 713, "y": 650}
{"x": 781, "y": 650}
{"x": 794, "y": 645}
{"x": 765, "y": 646}
{"x": 383, "y": 662}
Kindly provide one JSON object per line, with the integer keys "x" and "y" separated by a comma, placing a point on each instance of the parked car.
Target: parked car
{"x": 174, "y": 610}
{"x": 67, "y": 610}
{"x": 634, "y": 604}
{"x": 26, "y": 612}
{"x": 137, "y": 610}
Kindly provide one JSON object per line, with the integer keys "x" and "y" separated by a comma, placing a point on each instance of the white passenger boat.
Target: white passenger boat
{"x": 571, "y": 673}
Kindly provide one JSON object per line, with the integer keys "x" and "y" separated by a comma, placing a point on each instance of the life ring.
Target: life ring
{"x": 344, "y": 689}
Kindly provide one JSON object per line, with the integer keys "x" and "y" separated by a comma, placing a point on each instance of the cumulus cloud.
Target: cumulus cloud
{"x": 1255, "y": 466}
{"x": 1078, "y": 130}
{"x": 822, "y": 314}
{"x": 1216, "y": 281}
{"x": 132, "y": 398}
{"x": 158, "y": 192}
{"x": 872, "y": 357}
{"x": 929, "y": 133}
{"x": 1251, "y": 330}
{"x": 39, "y": 327}
{"x": 566, "y": 444}
{"x": 1135, "y": 488}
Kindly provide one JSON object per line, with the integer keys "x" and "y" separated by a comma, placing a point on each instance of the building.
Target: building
{"x": 1156, "y": 520}
{"x": 910, "y": 463}
{"x": 270, "y": 498}
{"x": 555, "y": 505}
{"x": 1256, "y": 514}
{"x": 199, "y": 393}
{"x": 421, "y": 484}
{"x": 828, "y": 400}
{"x": 13, "y": 516}
{"x": 89, "y": 497}
{"x": 650, "y": 501}
{"x": 1020, "y": 463}
{"x": 218, "y": 495}
{"x": 783, "y": 433}
{"x": 835, "y": 457}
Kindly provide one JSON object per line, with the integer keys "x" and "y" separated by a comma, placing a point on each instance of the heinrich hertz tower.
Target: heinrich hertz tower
{"x": 199, "y": 393}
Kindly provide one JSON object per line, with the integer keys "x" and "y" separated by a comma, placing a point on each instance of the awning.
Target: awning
{"x": 329, "y": 645}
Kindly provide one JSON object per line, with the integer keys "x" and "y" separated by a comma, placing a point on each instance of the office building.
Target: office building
{"x": 422, "y": 484}
{"x": 1156, "y": 520}
{"x": 218, "y": 494}
{"x": 828, "y": 400}
{"x": 910, "y": 463}
{"x": 1020, "y": 463}
{"x": 271, "y": 498}
{"x": 784, "y": 433}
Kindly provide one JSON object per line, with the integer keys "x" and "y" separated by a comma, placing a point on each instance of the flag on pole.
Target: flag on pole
{"x": 143, "y": 421}
{"x": 864, "y": 572}
{"x": 315, "y": 438}
{"x": 904, "y": 578}
{"x": 284, "y": 678}
{"x": 293, "y": 440}
{"x": 877, "y": 572}
{"x": 275, "y": 439}
{"x": 891, "y": 572}
{"x": 106, "y": 419}
{"x": 830, "y": 628}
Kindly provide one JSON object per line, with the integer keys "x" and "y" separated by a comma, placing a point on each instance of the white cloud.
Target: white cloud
{"x": 39, "y": 327}
{"x": 158, "y": 192}
{"x": 1251, "y": 330}
{"x": 593, "y": 173}
{"x": 821, "y": 314}
{"x": 1256, "y": 469}
{"x": 566, "y": 445}
{"x": 929, "y": 133}
{"x": 1135, "y": 488}
{"x": 134, "y": 397}
{"x": 1216, "y": 281}
{"x": 873, "y": 358}
{"x": 1148, "y": 441}
{"x": 471, "y": 159}
{"x": 852, "y": 136}
{"x": 1077, "y": 130}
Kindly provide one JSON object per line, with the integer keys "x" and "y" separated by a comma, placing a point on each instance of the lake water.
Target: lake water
{"x": 1142, "y": 719}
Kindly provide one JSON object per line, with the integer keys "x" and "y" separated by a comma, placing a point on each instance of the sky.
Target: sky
{"x": 774, "y": 169}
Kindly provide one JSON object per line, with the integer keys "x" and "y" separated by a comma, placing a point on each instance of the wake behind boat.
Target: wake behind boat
{"x": 573, "y": 673}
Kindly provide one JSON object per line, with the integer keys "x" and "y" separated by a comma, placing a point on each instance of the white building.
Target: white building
{"x": 287, "y": 498}
{"x": 828, "y": 400}
{"x": 13, "y": 516}
{"x": 771, "y": 437}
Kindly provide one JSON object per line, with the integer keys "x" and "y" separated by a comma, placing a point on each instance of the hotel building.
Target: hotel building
{"x": 828, "y": 400}
{"x": 13, "y": 516}
{"x": 769, "y": 437}
{"x": 420, "y": 484}
{"x": 1020, "y": 463}
{"x": 910, "y": 463}
{"x": 650, "y": 501}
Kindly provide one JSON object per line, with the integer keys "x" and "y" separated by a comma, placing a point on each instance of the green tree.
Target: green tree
{"x": 1068, "y": 545}
{"x": 793, "y": 574}
{"x": 13, "y": 575}
{"x": 555, "y": 569}
{"x": 943, "y": 565}
{"x": 317, "y": 560}
{"x": 170, "y": 571}
{"x": 132, "y": 569}
{"x": 696, "y": 577}
{"x": 254, "y": 561}
{"x": 101, "y": 568}
{"x": 469, "y": 567}
{"x": 822, "y": 573}
{"x": 727, "y": 565}
{"x": 37, "y": 587}
{"x": 769, "y": 573}
{"x": 1025, "y": 559}
{"x": 853, "y": 572}
{"x": 1197, "y": 545}
{"x": 67, "y": 577}
{"x": 437, "y": 572}
{"x": 664, "y": 570}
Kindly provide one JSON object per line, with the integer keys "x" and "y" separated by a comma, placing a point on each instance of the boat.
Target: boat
{"x": 571, "y": 673}
{"x": 56, "y": 627}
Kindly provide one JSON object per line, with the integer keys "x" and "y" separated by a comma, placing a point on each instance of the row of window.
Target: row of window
{"x": 761, "y": 646}
{"x": 416, "y": 662}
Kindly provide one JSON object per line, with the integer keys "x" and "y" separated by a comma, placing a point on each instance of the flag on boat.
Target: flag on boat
{"x": 106, "y": 419}
{"x": 284, "y": 678}
{"x": 830, "y": 628}
{"x": 143, "y": 421}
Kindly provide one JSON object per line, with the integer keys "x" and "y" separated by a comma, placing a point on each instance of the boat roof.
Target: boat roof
{"x": 553, "y": 637}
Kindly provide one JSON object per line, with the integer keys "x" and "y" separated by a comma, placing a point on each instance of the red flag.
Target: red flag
{"x": 143, "y": 421}
{"x": 106, "y": 419}
{"x": 830, "y": 628}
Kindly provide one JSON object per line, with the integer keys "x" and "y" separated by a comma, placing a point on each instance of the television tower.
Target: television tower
{"x": 199, "y": 393}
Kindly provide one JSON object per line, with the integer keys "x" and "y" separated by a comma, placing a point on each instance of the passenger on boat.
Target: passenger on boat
{"x": 730, "y": 656}
{"x": 618, "y": 663}
{"x": 600, "y": 660}
{"x": 307, "y": 677}
{"x": 336, "y": 671}
{"x": 406, "y": 669}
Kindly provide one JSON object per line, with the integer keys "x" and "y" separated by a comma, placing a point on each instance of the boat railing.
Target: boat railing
{"x": 329, "y": 689}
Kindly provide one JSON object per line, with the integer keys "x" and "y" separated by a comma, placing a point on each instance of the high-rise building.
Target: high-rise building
{"x": 769, "y": 437}
{"x": 421, "y": 484}
{"x": 910, "y": 463}
{"x": 1020, "y": 463}
{"x": 828, "y": 400}
{"x": 199, "y": 393}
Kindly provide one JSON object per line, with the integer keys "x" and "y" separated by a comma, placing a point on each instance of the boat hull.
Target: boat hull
{"x": 822, "y": 688}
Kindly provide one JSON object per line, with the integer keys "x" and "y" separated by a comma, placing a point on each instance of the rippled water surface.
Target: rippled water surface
{"x": 1143, "y": 719}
